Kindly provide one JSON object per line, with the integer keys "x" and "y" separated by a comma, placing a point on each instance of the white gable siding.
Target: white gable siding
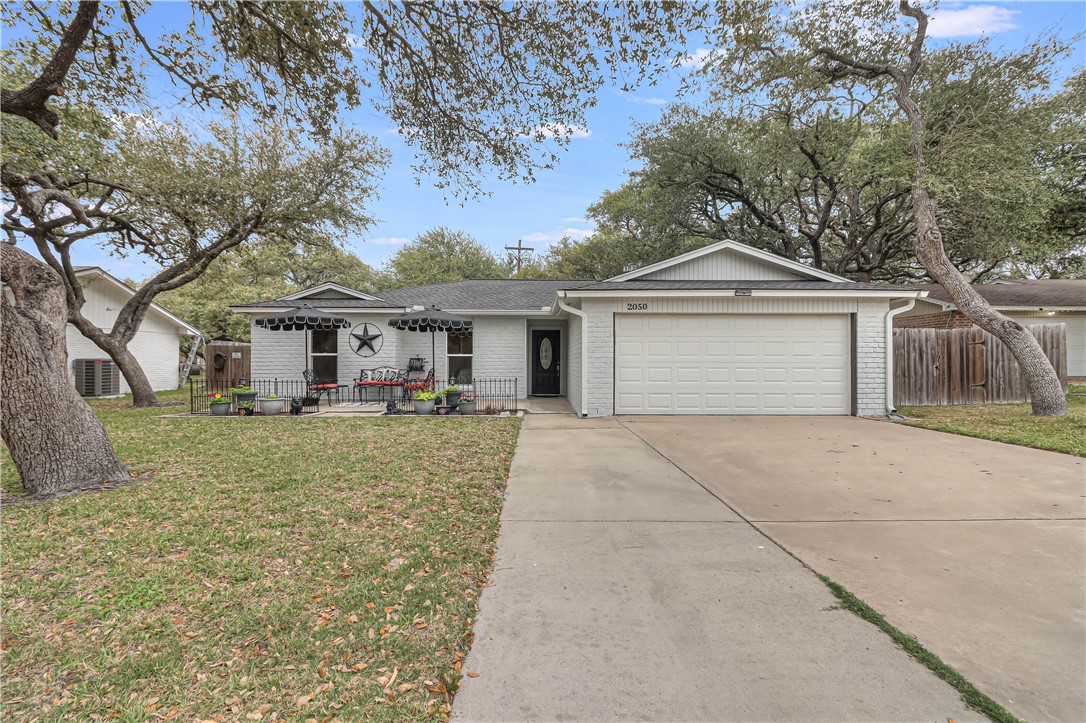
{"x": 328, "y": 294}
{"x": 156, "y": 345}
{"x": 723, "y": 265}
{"x": 870, "y": 377}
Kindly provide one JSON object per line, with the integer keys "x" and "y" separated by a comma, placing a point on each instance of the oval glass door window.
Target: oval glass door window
{"x": 546, "y": 353}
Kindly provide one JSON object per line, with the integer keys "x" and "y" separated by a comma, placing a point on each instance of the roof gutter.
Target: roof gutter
{"x": 560, "y": 299}
{"x": 830, "y": 291}
{"x": 890, "y": 409}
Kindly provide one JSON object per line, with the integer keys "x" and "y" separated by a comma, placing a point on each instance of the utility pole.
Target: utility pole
{"x": 520, "y": 248}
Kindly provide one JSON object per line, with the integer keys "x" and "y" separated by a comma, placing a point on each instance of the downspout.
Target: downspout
{"x": 561, "y": 299}
{"x": 891, "y": 411}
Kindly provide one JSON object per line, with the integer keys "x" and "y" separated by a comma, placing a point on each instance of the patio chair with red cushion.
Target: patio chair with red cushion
{"x": 381, "y": 379}
{"x": 316, "y": 388}
{"x": 419, "y": 384}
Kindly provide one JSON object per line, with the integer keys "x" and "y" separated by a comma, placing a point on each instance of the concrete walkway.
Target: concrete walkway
{"x": 624, "y": 591}
{"x": 976, "y": 548}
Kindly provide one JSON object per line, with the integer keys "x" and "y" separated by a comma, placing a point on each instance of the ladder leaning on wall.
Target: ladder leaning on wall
{"x": 186, "y": 366}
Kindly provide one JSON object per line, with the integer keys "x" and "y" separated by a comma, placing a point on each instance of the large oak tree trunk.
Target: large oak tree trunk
{"x": 56, "y": 441}
{"x": 1046, "y": 392}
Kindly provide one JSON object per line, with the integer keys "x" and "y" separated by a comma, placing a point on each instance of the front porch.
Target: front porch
{"x": 546, "y": 405}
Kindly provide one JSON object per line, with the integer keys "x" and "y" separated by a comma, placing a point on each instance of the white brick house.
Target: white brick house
{"x": 157, "y": 344}
{"x": 726, "y": 329}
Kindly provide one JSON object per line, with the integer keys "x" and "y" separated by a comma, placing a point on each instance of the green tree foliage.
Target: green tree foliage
{"x": 181, "y": 200}
{"x": 821, "y": 53}
{"x": 260, "y": 271}
{"x": 830, "y": 187}
{"x": 472, "y": 86}
{"x": 441, "y": 255}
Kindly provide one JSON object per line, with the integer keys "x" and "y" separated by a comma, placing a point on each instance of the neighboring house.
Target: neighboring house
{"x": 722, "y": 330}
{"x": 726, "y": 329}
{"x": 1041, "y": 301}
{"x": 156, "y": 344}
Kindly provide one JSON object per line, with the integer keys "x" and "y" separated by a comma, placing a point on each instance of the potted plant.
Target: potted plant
{"x": 424, "y": 401}
{"x": 467, "y": 404}
{"x": 220, "y": 405}
{"x": 452, "y": 395}
{"x": 246, "y": 407}
{"x": 244, "y": 394}
{"x": 271, "y": 404}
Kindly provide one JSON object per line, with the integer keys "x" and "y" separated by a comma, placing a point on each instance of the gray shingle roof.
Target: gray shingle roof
{"x": 665, "y": 285}
{"x": 471, "y": 294}
{"x": 532, "y": 294}
{"x": 1024, "y": 293}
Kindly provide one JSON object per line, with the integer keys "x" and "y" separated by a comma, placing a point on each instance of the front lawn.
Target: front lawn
{"x": 1011, "y": 423}
{"x": 265, "y": 569}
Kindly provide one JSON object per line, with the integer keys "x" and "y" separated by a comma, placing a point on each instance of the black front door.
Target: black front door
{"x": 546, "y": 363}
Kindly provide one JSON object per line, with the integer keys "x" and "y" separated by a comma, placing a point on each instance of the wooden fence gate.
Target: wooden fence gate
{"x": 966, "y": 366}
{"x": 227, "y": 362}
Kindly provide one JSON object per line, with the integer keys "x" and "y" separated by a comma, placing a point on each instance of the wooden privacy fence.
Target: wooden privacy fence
{"x": 966, "y": 366}
{"x": 227, "y": 362}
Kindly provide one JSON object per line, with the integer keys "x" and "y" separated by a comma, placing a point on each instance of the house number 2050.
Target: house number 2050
{"x": 637, "y": 307}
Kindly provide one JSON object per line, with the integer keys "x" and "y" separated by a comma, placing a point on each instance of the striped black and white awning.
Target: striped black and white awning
{"x": 302, "y": 319}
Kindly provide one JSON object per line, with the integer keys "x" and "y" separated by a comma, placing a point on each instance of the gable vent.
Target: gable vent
{"x": 97, "y": 377}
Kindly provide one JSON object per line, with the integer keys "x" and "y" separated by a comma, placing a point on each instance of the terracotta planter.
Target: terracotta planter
{"x": 220, "y": 410}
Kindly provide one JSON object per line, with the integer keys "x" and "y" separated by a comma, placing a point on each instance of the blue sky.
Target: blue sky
{"x": 555, "y": 204}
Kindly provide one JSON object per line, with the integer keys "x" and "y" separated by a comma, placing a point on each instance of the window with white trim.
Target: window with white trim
{"x": 324, "y": 354}
{"x": 459, "y": 349}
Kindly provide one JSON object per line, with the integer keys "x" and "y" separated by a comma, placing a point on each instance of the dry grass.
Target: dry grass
{"x": 268, "y": 569}
{"x": 1011, "y": 423}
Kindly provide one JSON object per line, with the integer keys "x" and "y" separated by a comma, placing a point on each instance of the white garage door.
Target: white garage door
{"x": 731, "y": 364}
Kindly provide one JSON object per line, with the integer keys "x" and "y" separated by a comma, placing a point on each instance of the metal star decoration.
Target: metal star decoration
{"x": 366, "y": 337}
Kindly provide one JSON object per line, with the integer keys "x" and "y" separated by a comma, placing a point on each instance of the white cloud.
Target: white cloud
{"x": 553, "y": 129}
{"x": 544, "y": 238}
{"x": 971, "y": 20}
{"x": 389, "y": 240}
{"x": 647, "y": 101}
{"x": 697, "y": 59}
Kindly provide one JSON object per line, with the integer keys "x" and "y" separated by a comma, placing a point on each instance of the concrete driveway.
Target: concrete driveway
{"x": 976, "y": 548}
{"x": 623, "y": 590}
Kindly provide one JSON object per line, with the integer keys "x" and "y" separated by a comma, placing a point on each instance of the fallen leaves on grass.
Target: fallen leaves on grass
{"x": 255, "y": 590}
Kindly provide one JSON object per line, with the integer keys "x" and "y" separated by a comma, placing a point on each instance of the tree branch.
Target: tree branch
{"x": 30, "y": 102}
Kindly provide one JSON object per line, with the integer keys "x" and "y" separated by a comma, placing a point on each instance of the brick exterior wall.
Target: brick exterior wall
{"x": 870, "y": 350}
{"x": 499, "y": 350}
{"x": 953, "y": 319}
{"x": 574, "y": 353}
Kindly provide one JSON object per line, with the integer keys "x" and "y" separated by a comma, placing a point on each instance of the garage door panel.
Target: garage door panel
{"x": 718, "y": 374}
{"x": 732, "y": 364}
{"x": 687, "y": 375}
{"x": 659, "y": 374}
{"x": 746, "y": 374}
